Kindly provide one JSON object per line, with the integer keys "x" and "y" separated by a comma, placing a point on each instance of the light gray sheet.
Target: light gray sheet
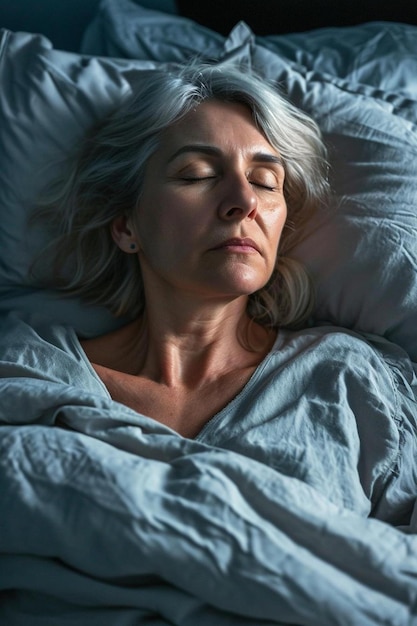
{"x": 121, "y": 522}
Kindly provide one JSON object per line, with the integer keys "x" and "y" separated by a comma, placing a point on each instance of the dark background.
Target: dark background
{"x": 283, "y": 16}
{"x": 64, "y": 21}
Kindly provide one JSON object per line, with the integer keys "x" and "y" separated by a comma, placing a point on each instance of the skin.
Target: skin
{"x": 214, "y": 178}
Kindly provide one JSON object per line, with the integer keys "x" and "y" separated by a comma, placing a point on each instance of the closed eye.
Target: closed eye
{"x": 264, "y": 178}
{"x": 263, "y": 186}
{"x": 196, "y": 179}
{"x": 199, "y": 179}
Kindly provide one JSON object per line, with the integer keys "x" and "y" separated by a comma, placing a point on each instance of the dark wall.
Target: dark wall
{"x": 282, "y": 16}
{"x": 62, "y": 21}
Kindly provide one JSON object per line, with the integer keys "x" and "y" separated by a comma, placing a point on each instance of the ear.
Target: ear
{"x": 124, "y": 235}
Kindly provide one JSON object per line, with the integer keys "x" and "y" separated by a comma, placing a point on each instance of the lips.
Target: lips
{"x": 236, "y": 243}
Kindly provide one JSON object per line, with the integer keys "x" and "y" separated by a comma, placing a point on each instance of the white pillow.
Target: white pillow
{"x": 378, "y": 54}
{"x": 48, "y": 99}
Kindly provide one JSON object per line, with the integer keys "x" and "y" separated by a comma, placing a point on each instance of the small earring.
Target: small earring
{"x": 133, "y": 246}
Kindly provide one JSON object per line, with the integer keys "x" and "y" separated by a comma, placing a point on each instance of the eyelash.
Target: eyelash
{"x": 197, "y": 179}
{"x": 267, "y": 187}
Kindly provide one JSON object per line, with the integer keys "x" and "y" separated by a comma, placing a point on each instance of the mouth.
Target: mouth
{"x": 236, "y": 244}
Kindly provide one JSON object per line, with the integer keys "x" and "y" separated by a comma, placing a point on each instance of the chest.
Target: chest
{"x": 184, "y": 410}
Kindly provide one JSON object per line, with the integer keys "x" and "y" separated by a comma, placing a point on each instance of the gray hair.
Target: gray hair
{"x": 106, "y": 179}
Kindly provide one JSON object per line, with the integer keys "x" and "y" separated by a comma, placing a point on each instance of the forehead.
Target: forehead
{"x": 227, "y": 125}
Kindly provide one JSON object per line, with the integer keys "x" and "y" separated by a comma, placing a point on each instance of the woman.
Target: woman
{"x": 236, "y": 489}
{"x": 175, "y": 214}
{"x": 179, "y": 213}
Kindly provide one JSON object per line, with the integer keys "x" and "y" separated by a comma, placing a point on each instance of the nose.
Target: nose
{"x": 238, "y": 199}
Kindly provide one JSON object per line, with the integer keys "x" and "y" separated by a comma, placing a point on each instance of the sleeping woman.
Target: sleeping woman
{"x": 178, "y": 215}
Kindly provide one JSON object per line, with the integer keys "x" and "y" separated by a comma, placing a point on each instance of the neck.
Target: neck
{"x": 187, "y": 343}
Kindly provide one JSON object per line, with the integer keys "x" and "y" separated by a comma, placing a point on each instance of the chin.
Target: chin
{"x": 241, "y": 288}
{"x": 248, "y": 282}
{"x": 232, "y": 282}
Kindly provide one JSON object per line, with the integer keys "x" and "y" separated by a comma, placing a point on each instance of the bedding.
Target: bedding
{"x": 110, "y": 518}
{"x": 250, "y": 523}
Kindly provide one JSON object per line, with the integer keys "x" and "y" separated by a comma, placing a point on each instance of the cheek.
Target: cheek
{"x": 275, "y": 222}
{"x": 165, "y": 232}
{"x": 151, "y": 219}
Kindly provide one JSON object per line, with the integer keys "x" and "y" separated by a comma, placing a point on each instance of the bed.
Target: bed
{"x": 120, "y": 522}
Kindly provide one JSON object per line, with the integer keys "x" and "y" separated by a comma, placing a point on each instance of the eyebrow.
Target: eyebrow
{"x": 260, "y": 157}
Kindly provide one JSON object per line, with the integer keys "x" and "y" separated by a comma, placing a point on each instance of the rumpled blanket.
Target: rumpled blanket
{"x": 109, "y": 518}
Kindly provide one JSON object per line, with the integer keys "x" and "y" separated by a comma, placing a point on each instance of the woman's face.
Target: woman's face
{"x": 213, "y": 208}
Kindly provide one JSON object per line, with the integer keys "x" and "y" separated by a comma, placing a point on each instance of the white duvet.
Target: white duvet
{"x": 109, "y": 518}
